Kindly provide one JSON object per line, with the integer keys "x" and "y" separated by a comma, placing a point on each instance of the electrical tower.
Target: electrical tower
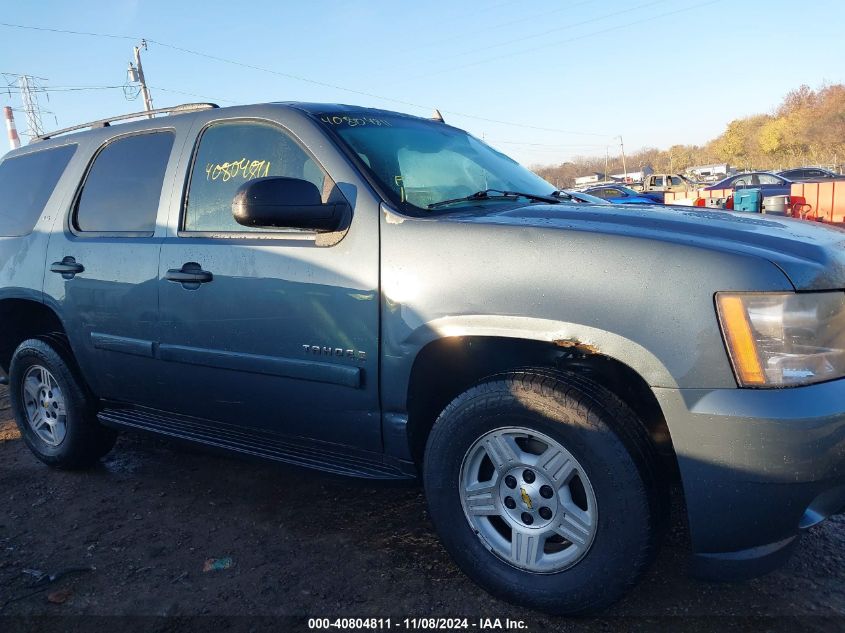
{"x": 29, "y": 88}
{"x": 31, "y": 109}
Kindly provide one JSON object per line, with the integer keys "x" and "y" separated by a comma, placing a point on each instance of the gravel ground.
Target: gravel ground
{"x": 142, "y": 525}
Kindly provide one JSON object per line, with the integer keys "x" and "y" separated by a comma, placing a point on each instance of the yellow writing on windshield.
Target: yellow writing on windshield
{"x": 244, "y": 168}
{"x": 400, "y": 183}
{"x": 353, "y": 121}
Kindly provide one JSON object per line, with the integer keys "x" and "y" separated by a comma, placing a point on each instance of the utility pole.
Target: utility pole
{"x": 606, "y": 162}
{"x": 624, "y": 164}
{"x": 136, "y": 75}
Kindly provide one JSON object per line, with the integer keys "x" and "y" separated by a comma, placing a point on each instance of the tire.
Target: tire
{"x": 612, "y": 509}
{"x": 58, "y": 419}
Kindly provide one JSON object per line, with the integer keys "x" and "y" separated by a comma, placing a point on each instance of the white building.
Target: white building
{"x": 715, "y": 171}
{"x": 583, "y": 181}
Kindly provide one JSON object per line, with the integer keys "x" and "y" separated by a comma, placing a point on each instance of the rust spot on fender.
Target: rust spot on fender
{"x": 571, "y": 343}
{"x": 392, "y": 218}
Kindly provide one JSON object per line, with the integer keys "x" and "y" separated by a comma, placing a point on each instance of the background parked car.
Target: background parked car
{"x": 810, "y": 174}
{"x": 580, "y": 196}
{"x": 771, "y": 184}
{"x": 774, "y": 190}
{"x": 619, "y": 194}
{"x": 656, "y": 186}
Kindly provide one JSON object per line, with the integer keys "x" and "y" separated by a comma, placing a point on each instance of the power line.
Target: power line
{"x": 487, "y": 29}
{"x": 557, "y": 43}
{"x": 16, "y": 90}
{"x": 551, "y": 145}
{"x": 308, "y": 80}
{"x": 534, "y": 36}
{"x": 193, "y": 94}
{"x": 62, "y": 88}
{"x": 67, "y": 32}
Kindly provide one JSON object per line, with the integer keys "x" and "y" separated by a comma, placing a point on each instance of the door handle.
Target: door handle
{"x": 190, "y": 275}
{"x": 68, "y": 268}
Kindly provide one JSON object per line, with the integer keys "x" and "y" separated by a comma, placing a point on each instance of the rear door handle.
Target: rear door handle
{"x": 68, "y": 268}
{"x": 190, "y": 275}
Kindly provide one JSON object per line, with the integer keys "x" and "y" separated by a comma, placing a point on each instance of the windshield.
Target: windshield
{"x": 419, "y": 163}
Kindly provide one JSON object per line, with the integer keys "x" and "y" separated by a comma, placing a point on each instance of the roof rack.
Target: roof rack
{"x": 179, "y": 109}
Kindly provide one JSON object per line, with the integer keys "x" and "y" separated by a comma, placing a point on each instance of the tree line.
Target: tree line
{"x": 807, "y": 128}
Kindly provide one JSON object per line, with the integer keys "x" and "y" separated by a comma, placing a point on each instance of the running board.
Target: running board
{"x": 325, "y": 456}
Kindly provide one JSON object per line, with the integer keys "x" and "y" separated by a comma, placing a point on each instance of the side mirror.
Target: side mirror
{"x": 278, "y": 202}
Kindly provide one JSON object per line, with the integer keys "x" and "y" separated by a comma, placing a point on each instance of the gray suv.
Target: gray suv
{"x": 384, "y": 296}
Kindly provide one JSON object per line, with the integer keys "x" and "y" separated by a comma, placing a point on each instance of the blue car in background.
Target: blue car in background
{"x": 810, "y": 174}
{"x": 770, "y": 184}
{"x": 619, "y": 194}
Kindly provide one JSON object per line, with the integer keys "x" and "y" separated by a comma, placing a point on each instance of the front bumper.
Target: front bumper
{"x": 757, "y": 466}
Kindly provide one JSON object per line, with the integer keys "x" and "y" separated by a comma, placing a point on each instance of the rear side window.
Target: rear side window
{"x": 122, "y": 190}
{"x": 26, "y": 183}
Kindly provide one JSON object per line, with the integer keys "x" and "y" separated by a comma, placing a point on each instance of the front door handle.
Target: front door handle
{"x": 68, "y": 268}
{"x": 190, "y": 275}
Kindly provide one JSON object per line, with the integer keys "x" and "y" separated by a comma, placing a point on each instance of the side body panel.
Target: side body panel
{"x": 110, "y": 310}
{"x": 285, "y": 338}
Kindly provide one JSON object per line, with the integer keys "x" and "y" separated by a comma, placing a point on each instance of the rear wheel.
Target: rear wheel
{"x": 544, "y": 488}
{"x": 54, "y": 412}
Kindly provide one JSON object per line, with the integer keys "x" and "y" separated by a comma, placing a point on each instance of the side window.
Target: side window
{"x": 26, "y": 183}
{"x": 676, "y": 181}
{"x": 230, "y": 154}
{"x": 658, "y": 181}
{"x": 768, "y": 179}
{"x": 122, "y": 190}
{"x": 610, "y": 193}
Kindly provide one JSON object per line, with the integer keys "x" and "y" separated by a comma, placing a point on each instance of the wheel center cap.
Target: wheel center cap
{"x": 526, "y": 499}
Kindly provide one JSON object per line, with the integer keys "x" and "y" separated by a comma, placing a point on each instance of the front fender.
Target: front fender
{"x": 563, "y": 334}
{"x": 401, "y": 351}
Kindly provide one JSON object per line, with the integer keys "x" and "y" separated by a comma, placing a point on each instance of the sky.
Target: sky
{"x": 541, "y": 80}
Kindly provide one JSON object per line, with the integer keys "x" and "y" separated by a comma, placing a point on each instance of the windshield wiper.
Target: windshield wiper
{"x": 485, "y": 195}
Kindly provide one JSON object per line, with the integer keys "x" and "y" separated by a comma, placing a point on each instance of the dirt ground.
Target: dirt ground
{"x": 136, "y": 533}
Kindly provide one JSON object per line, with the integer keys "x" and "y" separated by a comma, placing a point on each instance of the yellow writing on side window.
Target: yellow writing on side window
{"x": 243, "y": 168}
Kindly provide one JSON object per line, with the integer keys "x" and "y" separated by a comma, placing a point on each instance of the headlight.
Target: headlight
{"x": 782, "y": 340}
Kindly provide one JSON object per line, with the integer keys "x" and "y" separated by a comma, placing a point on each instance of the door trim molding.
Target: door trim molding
{"x": 315, "y": 371}
{"x": 123, "y": 344}
{"x": 301, "y": 369}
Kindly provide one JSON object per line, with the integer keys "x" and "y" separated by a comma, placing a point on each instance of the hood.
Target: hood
{"x": 812, "y": 255}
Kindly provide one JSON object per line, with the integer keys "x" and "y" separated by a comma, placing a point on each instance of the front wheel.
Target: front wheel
{"x": 544, "y": 489}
